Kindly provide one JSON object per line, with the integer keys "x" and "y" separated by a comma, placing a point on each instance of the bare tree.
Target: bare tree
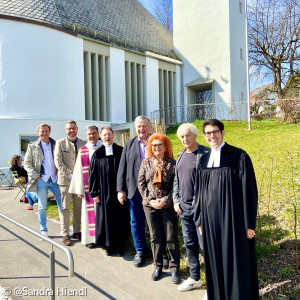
{"x": 163, "y": 12}
{"x": 274, "y": 39}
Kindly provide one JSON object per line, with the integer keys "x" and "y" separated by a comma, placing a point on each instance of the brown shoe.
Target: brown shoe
{"x": 66, "y": 240}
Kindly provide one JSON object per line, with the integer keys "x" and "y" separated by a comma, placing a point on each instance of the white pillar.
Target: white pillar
{"x": 152, "y": 87}
{"x": 116, "y": 86}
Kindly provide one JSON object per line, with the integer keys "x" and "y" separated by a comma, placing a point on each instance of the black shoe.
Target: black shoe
{"x": 92, "y": 246}
{"x": 156, "y": 275}
{"x": 139, "y": 259}
{"x": 120, "y": 252}
{"x": 109, "y": 251}
{"x": 175, "y": 278}
{"x": 77, "y": 236}
{"x": 165, "y": 262}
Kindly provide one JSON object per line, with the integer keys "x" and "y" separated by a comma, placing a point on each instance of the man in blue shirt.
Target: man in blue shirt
{"x": 42, "y": 173}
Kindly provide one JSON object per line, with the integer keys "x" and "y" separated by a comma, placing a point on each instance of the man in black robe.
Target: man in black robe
{"x": 112, "y": 218}
{"x": 225, "y": 210}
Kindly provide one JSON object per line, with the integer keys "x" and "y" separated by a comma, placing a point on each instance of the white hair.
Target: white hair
{"x": 186, "y": 127}
{"x": 141, "y": 118}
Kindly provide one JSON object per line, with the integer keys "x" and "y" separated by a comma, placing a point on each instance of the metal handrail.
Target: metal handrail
{"x": 52, "y": 257}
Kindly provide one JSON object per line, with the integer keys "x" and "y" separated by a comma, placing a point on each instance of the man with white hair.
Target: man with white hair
{"x": 183, "y": 196}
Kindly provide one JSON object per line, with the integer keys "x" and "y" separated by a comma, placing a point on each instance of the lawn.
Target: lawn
{"x": 275, "y": 152}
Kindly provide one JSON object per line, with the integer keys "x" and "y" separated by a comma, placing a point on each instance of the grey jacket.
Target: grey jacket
{"x": 33, "y": 162}
{"x": 201, "y": 150}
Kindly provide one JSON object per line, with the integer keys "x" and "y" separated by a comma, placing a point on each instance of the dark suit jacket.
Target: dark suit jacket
{"x": 128, "y": 173}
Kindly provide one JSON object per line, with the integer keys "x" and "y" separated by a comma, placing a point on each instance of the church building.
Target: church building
{"x": 105, "y": 62}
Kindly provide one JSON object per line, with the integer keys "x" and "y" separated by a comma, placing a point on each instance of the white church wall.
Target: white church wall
{"x": 41, "y": 72}
{"x": 12, "y": 129}
{"x": 152, "y": 87}
{"x": 117, "y": 89}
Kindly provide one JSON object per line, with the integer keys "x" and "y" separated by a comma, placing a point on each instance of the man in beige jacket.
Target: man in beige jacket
{"x": 65, "y": 155}
{"x": 42, "y": 174}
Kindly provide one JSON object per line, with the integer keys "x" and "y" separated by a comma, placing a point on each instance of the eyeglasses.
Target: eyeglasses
{"x": 214, "y": 133}
{"x": 157, "y": 145}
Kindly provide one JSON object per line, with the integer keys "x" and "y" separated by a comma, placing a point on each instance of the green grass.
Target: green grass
{"x": 286, "y": 271}
{"x": 274, "y": 149}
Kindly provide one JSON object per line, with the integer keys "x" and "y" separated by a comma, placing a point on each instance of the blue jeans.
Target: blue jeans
{"x": 137, "y": 222}
{"x": 42, "y": 194}
{"x": 32, "y": 198}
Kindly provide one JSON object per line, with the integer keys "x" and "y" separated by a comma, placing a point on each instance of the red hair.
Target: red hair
{"x": 166, "y": 141}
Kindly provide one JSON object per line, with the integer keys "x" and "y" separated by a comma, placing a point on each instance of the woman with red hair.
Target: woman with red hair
{"x": 155, "y": 184}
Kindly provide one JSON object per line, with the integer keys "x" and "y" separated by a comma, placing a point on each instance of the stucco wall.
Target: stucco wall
{"x": 117, "y": 106}
{"x": 208, "y": 35}
{"x": 41, "y": 72}
{"x": 152, "y": 88}
{"x": 12, "y": 129}
{"x": 201, "y": 37}
{"x": 239, "y": 70}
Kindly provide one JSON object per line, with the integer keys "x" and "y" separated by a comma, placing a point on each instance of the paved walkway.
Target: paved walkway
{"x": 24, "y": 265}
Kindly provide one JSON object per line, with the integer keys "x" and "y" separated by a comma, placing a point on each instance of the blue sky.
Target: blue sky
{"x": 148, "y": 4}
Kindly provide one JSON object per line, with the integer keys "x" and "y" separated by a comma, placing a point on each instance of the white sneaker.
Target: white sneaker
{"x": 189, "y": 284}
{"x": 205, "y": 296}
{"x": 44, "y": 233}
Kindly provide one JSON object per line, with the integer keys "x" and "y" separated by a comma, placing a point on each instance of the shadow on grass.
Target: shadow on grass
{"x": 268, "y": 233}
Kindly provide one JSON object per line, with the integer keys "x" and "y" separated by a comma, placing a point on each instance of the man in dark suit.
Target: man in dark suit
{"x": 132, "y": 156}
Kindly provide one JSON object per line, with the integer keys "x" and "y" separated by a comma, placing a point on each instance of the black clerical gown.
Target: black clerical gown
{"x": 225, "y": 206}
{"x": 112, "y": 218}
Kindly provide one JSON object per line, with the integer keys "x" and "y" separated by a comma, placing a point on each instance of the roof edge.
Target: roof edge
{"x": 25, "y": 20}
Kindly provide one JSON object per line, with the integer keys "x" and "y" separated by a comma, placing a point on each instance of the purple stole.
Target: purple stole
{"x": 85, "y": 161}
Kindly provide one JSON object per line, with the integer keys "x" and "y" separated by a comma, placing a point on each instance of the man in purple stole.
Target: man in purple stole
{"x": 79, "y": 186}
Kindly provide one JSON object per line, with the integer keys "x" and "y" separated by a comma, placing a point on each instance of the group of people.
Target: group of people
{"x": 212, "y": 190}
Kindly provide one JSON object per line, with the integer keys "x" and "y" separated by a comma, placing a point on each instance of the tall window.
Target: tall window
{"x": 95, "y": 59}
{"x": 166, "y": 75}
{"x": 135, "y": 85}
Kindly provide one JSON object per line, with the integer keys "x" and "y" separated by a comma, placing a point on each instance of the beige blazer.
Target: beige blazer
{"x": 65, "y": 158}
{"x": 33, "y": 162}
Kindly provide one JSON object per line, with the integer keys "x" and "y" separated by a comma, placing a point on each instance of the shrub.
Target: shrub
{"x": 290, "y": 110}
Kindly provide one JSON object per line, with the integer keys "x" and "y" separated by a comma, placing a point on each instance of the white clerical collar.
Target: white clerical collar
{"x": 109, "y": 150}
{"x": 215, "y": 157}
{"x": 219, "y": 148}
{"x": 90, "y": 145}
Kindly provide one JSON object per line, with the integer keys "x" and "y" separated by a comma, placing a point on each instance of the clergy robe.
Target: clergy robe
{"x": 112, "y": 218}
{"x": 77, "y": 187}
{"x": 225, "y": 206}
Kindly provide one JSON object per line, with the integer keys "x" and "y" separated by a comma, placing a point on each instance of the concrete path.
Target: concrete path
{"x": 24, "y": 266}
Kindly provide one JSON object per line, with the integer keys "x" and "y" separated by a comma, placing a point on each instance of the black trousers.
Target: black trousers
{"x": 163, "y": 226}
